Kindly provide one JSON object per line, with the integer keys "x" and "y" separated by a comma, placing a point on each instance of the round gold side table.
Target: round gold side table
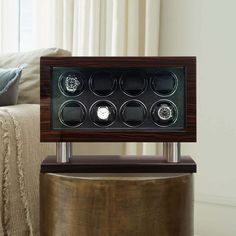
{"x": 116, "y": 204}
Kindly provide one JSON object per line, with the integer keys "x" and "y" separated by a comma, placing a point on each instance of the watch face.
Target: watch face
{"x": 103, "y": 113}
{"x": 72, "y": 83}
{"x": 165, "y": 112}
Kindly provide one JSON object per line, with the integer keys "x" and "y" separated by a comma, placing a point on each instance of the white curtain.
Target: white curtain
{"x": 98, "y": 27}
{"x": 9, "y": 26}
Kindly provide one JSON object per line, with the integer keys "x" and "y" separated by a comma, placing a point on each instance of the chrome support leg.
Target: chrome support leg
{"x": 64, "y": 151}
{"x": 171, "y": 152}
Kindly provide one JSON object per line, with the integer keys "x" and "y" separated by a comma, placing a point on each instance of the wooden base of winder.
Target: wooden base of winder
{"x": 118, "y": 164}
{"x": 116, "y": 204}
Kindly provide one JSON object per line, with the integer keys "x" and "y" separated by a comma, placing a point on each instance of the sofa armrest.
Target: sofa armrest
{"x": 20, "y": 155}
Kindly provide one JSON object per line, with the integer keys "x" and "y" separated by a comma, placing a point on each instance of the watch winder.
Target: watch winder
{"x": 117, "y": 99}
{"x": 120, "y": 99}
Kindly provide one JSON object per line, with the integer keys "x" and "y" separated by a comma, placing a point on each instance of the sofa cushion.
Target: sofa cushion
{"x": 9, "y": 84}
{"x": 29, "y": 88}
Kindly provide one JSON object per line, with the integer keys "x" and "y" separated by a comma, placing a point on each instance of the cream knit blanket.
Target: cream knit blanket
{"x": 20, "y": 156}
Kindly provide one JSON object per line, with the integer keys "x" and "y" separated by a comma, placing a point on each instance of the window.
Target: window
{"x": 25, "y": 25}
{"x": 15, "y": 25}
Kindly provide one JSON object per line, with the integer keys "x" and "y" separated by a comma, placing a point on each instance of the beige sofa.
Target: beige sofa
{"x": 20, "y": 149}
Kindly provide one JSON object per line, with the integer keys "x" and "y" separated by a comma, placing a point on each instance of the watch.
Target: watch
{"x": 103, "y": 113}
{"x": 165, "y": 112}
{"x": 72, "y": 83}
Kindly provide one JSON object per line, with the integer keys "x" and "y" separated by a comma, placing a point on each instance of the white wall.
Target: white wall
{"x": 207, "y": 29}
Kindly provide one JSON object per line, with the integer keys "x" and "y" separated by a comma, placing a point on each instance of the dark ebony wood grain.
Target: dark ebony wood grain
{"x": 118, "y": 164}
{"x": 49, "y": 135}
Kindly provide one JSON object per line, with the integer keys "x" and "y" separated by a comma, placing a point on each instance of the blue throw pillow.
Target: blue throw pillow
{"x": 9, "y": 85}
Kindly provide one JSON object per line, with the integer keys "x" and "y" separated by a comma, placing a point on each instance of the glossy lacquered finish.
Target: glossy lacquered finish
{"x": 185, "y": 134}
{"x": 118, "y": 164}
{"x": 116, "y": 205}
